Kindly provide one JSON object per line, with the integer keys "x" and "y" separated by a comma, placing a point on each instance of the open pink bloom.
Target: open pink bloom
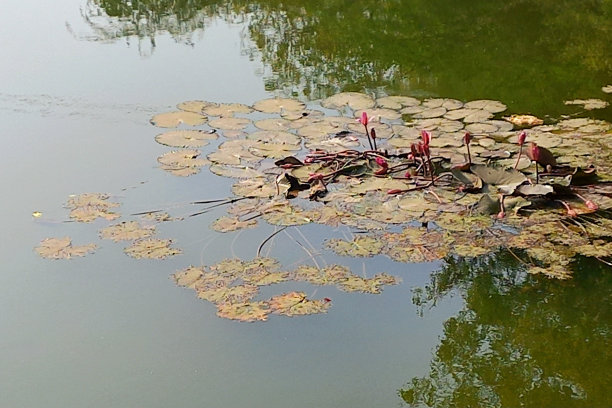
{"x": 521, "y": 138}
{"x": 467, "y": 138}
{"x": 426, "y": 136}
{"x": 364, "y": 119}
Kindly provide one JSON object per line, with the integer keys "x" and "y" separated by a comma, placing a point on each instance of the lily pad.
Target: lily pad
{"x": 296, "y": 304}
{"x": 185, "y": 138}
{"x": 487, "y": 105}
{"x": 182, "y": 162}
{"x": 360, "y": 246}
{"x": 89, "y": 206}
{"x": 62, "y": 248}
{"x": 396, "y": 102}
{"x": 244, "y": 312}
{"x": 229, "y": 123}
{"x": 227, "y": 224}
{"x": 589, "y": 104}
{"x": 194, "y": 106}
{"x": 188, "y": 277}
{"x": 355, "y": 100}
{"x": 275, "y": 124}
{"x": 227, "y": 109}
{"x": 524, "y": 120}
{"x": 151, "y": 248}
{"x": 240, "y": 172}
{"x": 126, "y": 231}
{"x": 277, "y": 105}
{"x": 175, "y": 119}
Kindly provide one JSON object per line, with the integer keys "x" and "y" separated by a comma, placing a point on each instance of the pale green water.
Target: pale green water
{"x": 108, "y": 330}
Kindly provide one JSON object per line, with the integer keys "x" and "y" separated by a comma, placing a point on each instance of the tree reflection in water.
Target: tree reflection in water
{"x": 532, "y": 55}
{"x": 520, "y": 341}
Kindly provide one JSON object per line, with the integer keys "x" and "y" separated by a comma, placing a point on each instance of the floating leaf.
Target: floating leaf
{"x": 126, "y": 231}
{"x": 227, "y": 295}
{"x": 296, "y": 304}
{"x": 589, "y": 104}
{"x": 244, "y": 312}
{"x": 430, "y": 113}
{"x": 185, "y": 138}
{"x": 360, "y": 246}
{"x": 274, "y": 124}
{"x": 355, "y": 100}
{"x": 240, "y": 172}
{"x": 174, "y": 119}
{"x": 227, "y": 224}
{"x": 372, "y": 285}
{"x": 194, "y": 106}
{"x": 487, "y": 105}
{"x": 182, "y": 162}
{"x": 607, "y": 88}
{"x": 229, "y": 123}
{"x": 89, "y": 206}
{"x": 188, "y": 277}
{"x": 277, "y": 105}
{"x": 62, "y": 248}
{"x": 151, "y": 249}
{"x": 226, "y": 109}
{"x": 396, "y": 102}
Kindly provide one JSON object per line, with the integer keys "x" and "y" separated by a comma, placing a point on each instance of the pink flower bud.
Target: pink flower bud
{"x": 572, "y": 213}
{"x": 521, "y": 138}
{"x": 426, "y": 136}
{"x": 381, "y": 162}
{"x": 591, "y": 205}
{"x": 364, "y": 119}
{"x": 501, "y": 215}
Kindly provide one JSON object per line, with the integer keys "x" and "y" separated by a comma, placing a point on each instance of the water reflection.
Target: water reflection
{"x": 519, "y": 341}
{"x": 530, "y": 54}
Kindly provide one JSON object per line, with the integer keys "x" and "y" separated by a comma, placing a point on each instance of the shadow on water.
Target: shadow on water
{"x": 532, "y": 55}
{"x": 520, "y": 341}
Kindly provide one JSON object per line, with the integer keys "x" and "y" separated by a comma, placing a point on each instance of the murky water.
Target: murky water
{"x": 107, "y": 330}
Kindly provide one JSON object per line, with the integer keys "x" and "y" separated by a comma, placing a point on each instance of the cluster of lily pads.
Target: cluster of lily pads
{"x": 451, "y": 178}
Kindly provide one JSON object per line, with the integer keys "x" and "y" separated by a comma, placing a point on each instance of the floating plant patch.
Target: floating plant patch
{"x": 62, "y": 248}
{"x": 456, "y": 180}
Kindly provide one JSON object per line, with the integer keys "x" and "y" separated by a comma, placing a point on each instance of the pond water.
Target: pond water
{"x": 78, "y": 90}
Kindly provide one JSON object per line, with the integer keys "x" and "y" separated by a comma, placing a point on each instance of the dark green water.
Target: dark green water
{"x": 81, "y": 80}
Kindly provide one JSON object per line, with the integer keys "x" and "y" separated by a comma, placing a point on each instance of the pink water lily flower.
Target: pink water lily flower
{"x": 364, "y": 119}
{"x": 426, "y": 136}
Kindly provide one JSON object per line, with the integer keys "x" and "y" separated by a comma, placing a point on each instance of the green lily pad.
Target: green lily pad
{"x": 362, "y": 246}
{"x": 227, "y": 224}
{"x": 487, "y": 105}
{"x": 188, "y": 277}
{"x": 229, "y": 123}
{"x": 396, "y": 102}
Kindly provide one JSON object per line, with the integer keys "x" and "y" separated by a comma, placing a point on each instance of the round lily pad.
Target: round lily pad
{"x": 62, "y": 248}
{"x": 229, "y": 123}
{"x": 185, "y": 138}
{"x": 227, "y": 109}
{"x": 396, "y": 102}
{"x": 174, "y": 119}
{"x": 487, "y": 105}
{"x": 276, "y": 105}
{"x": 354, "y": 100}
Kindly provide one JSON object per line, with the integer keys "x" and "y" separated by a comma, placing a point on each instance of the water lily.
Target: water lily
{"x": 467, "y": 138}
{"x": 426, "y": 136}
{"x": 364, "y": 121}
{"x": 521, "y": 141}
{"x": 373, "y": 134}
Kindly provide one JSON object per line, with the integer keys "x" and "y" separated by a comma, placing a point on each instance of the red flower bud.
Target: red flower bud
{"x": 395, "y": 191}
{"x": 535, "y": 151}
{"x": 521, "y": 138}
{"x": 426, "y": 136}
{"x": 467, "y": 138}
{"x": 373, "y": 133}
{"x": 381, "y": 162}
